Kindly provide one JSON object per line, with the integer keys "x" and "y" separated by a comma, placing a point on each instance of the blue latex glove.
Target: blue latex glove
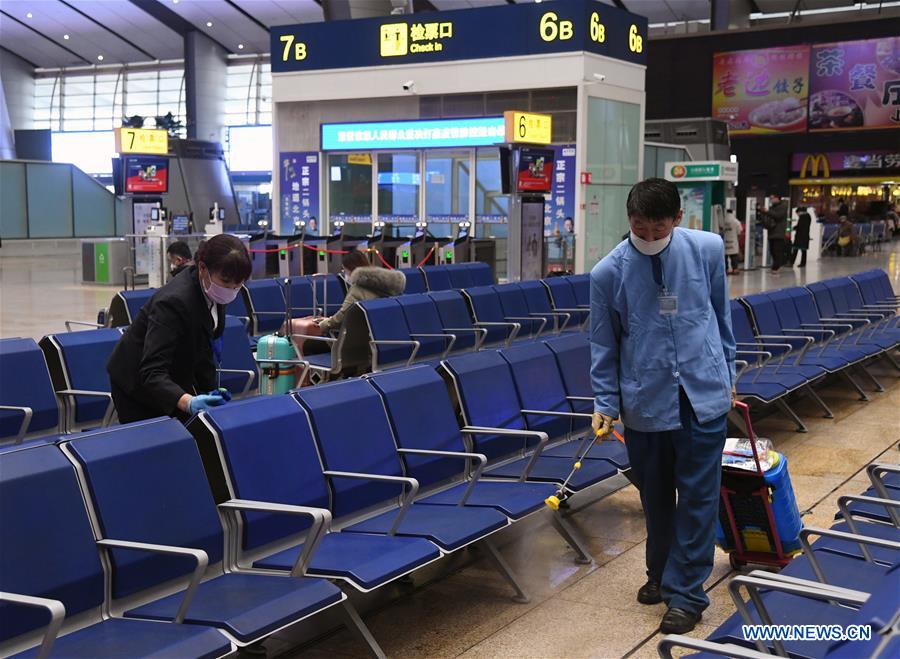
{"x": 205, "y": 402}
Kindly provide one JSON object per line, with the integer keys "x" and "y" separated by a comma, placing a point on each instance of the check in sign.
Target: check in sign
{"x": 528, "y": 128}
{"x": 141, "y": 140}
{"x": 464, "y": 34}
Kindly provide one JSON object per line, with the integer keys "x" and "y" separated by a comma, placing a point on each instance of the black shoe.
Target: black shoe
{"x": 679, "y": 621}
{"x": 649, "y": 593}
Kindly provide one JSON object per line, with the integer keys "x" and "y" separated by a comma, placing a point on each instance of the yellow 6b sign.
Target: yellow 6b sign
{"x": 635, "y": 40}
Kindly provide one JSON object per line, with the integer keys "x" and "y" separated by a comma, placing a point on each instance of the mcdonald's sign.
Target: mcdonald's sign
{"x": 813, "y": 161}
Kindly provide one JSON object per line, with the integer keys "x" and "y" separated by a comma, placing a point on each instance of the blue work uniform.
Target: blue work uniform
{"x": 662, "y": 359}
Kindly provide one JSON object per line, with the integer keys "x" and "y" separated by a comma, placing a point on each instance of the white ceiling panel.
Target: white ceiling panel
{"x": 135, "y": 25}
{"x": 283, "y": 12}
{"x": 661, "y": 11}
{"x": 21, "y": 41}
{"x": 229, "y": 26}
{"x": 773, "y": 6}
{"x": 87, "y": 37}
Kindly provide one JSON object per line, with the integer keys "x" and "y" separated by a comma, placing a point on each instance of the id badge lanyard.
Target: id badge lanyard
{"x": 216, "y": 345}
{"x": 668, "y": 301}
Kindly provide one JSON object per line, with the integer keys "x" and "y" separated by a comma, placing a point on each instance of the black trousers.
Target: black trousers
{"x": 776, "y": 246}
{"x": 129, "y": 409}
{"x": 802, "y": 256}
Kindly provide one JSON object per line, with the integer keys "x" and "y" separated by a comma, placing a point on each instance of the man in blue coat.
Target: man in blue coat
{"x": 662, "y": 359}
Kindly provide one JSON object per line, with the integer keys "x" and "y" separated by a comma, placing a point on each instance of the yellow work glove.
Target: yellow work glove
{"x": 602, "y": 424}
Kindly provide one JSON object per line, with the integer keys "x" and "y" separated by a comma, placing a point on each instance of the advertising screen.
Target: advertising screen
{"x": 181, "y": 223}
{"x": 146, "y": 174}
{"x": 759, "y": 92}
{"x": 535, "y": 170}
{"x": 855, "y": 84}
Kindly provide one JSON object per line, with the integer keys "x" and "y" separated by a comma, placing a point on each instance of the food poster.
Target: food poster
{"x": 758, "y": 92}
{"x": 855, "y": 84}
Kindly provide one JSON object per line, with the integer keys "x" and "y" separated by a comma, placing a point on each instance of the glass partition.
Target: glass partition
{"x": 350, "y": 187}
{"x": 491, "y": 205}
{"x": 446, "y": 190}
{"x": 399, "y": 182}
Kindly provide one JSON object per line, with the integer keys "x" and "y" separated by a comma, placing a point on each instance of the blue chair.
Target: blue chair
{"x": 515, "y": 309}
{"x": 285, "y": 469}
{"x": 562, "y": 297}
{"x": 265, "y": 301}
{"x": 488, "y": 313}
{"x": 302, "y": 302}
{"x": 77, "y": 364}
{"x": 238, "y": 371}
{"x": 147, "y": 488}
{"x": 238, "y": 309}
{"x": 365, "y": 470}
{"x": 389, "y": 336}
{"x": 847, "y": 300}
{"x": 28, "y": 404}
{"x": 538, "y": 303}
{"x": 481, "y": 273}
{"x": 492, "y": 410}
{"x": 460, "y": 277}
{"x": 50, "y": 569}
{"x": 424, "y": 325}
{"x": 875, "y": 288}
{"x": 124, "y": 307}
{"x": 573, "y": 357}
{"x": 435, "y": 453}
{"x": 455, "y": 319}
{"x": 437, "y": 277}
{"x": 415, "y": 280}
{"x": 581, "y": 284}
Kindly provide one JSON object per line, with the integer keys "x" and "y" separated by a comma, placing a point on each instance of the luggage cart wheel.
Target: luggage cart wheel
{"x": 735, "y": 563}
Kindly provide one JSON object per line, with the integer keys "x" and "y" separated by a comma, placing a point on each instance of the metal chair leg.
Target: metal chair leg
{"x": 853, "y": 383}
{"x": 503, "y": 568}
{"x": 801, "y": 427}
{"x": 821, "y": 403}
{"x": 875, "y": 382}
{"x": 358, "y": 627}
{"x": 572, "y": 538}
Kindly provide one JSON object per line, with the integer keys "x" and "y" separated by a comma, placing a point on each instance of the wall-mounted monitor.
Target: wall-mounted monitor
{"x": 146, "y": 174}
{"x": 181, "y": 223}
{"x": 535, "y": 172}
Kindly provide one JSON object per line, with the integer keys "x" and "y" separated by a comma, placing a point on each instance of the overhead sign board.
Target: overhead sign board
{"x": 464, "y": 34}
{"x": 423, "y": 134}
{"x": 142, "y": 140}
{"x": 528, "y": 128}
{"x": 711, "y": 170}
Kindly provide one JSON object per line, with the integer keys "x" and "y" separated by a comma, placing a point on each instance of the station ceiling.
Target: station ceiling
{"x": 63, "y": 33}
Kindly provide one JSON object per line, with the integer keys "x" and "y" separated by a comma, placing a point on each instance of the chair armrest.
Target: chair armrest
{"x": 513, "y": 329}
{"x": 875, "y": 472}
{"x": 529, "y": 319}
{"x": 543, "y": 438}
{"x": 759, "y": 367}
{"x": 571, "y": 415}
{"x": 405, "y": 502}
{"x": 321, "y": 519}
{"x": 197, "y": 554}
{"x": 449, "y": 347}
{"x": 57, "y": 612}
{"x": 480, "y": 334}
{"x": 583, "y": 398}
{"x": 480, "y": 457}
{"x": 891, "y": 505}
{"x": 394, "y": 342}
{"x": 861, "y": 540}
{"x": 269, "y": 313}
{"x": 327, "y": 339}
{"x": 83, "y": 323}
{"x": 110, "y": 407}
{"x": 555, "y": 314}
{"x": 250, "y": 375}
{"x": 27, "y": 413}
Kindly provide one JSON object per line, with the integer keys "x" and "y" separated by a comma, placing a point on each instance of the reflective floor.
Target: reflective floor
{"x": 463, "y": 608}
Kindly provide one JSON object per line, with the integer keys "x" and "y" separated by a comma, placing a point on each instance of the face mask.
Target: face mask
{"x": 650, "y": 247}
{"x": 220, "y": 294}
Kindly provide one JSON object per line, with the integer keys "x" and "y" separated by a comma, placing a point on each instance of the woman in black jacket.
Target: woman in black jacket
{"x": 165, "y": 362}
{"x": 801, "y": 236}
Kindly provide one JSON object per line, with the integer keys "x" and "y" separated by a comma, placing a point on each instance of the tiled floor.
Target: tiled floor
{"x": 575, "y": 610}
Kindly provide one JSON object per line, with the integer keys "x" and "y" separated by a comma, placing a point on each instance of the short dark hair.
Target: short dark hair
{"x": 654, "y": 198}
{"x": 179, "y": 248}
{"x": 354, "y": 259}
{"x": 226, "y": 256}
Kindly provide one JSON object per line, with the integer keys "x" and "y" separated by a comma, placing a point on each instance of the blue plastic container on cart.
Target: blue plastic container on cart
{"x": 749, "y": 511}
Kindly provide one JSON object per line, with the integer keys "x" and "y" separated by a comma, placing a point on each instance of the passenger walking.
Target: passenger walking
{"x": 801, "y": 236}
{"x": 732, "y": 242}
{"x": 775, "y": 221}
{"x": 662, "y": 359}
{"x": 165, "y": 363}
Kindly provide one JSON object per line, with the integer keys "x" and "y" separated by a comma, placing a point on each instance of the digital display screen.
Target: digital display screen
{"x": 146, "y": 174}
{"x": 154, "y": 214}
{"x": 181, "y": 223}
{"x": 535, "y": 170}
{"x": 419, "y": 134}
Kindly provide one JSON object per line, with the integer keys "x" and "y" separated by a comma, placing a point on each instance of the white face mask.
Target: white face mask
{"x": 650, "y": 247}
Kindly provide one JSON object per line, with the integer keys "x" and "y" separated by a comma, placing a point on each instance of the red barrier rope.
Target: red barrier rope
{"x": 386, "y": 264}
{"x": 427, "y": 256}
{"x": 297, "y": 246}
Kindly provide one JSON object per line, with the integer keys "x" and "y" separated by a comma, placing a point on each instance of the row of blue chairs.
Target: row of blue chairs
{"x": 60, "y": 384}
{"x": 426, "y": 327}
{"x": 868, "y": 233}
{"x": 850, "y": 575}
{"x": 790, "y": 339}
{"x": 222, "y": 538}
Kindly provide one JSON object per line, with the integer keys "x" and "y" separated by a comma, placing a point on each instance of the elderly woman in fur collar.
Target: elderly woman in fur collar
{"x": 366, "y": 283}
